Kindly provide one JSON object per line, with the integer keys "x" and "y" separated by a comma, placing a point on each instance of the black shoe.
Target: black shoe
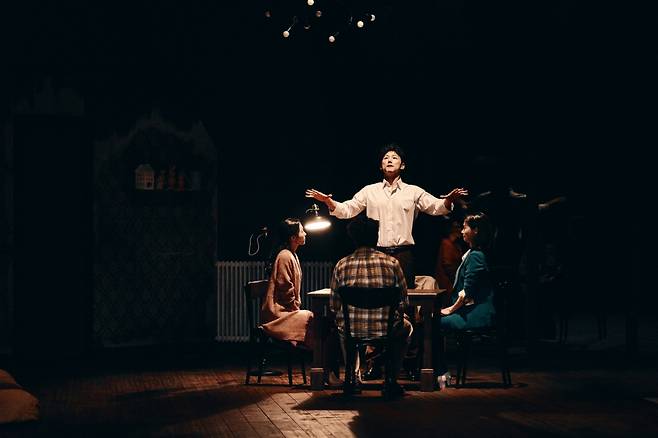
{"x": 392, "y": 390}
{"x": 373, "y": 373}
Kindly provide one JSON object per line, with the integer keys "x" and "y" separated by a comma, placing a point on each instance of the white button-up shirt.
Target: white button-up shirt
{"x": 395, "y": 206}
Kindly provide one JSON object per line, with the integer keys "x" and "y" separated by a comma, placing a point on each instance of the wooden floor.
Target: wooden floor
{"x": 564, "y": 391}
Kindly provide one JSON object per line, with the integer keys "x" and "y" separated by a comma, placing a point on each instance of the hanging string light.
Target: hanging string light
{"x": 286, "y": 33}
{"x": 325, "y": 18}
{"x": 332, "y": 37}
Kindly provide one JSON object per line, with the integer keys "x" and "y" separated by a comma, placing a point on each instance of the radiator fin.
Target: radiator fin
{"x": 232, "y": 325}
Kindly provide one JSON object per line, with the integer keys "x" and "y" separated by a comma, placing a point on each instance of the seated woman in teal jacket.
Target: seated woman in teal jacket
{"x": 472, "y": 296}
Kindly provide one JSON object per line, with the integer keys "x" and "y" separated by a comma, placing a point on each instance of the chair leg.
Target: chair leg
{"x": 458, "y": 371}
{"x": 301, "y": 354}
{"x": 289, "y": 367}
{"x": 252, "y": 347}
{"x": 466, "y": 341}
{"x": 504, "y": 365}
{"x": 348, "y": 382}
{"x": 388, "y": 376}
{"x": 460, "y": 357}
{"x": 261, "y": 356}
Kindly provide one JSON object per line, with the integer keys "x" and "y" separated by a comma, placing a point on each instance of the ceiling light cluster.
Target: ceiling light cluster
{"x": 330, "y": 19}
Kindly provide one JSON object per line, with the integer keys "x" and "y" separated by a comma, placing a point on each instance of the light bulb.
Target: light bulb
{"x": 317, "y": 224}
{"x": 307, "y": 26}
{"x": 310, "y": 2}
{"x": 318, "y": 13}
{"x": 372, "y": 17}
{"x": 286, "y": 33}
{"x": 268, "y": 13}
{"x": 332, "y": 38}
{"x": 359, "y": 24}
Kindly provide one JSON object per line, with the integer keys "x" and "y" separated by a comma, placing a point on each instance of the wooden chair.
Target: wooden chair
{"x": 260, "y": 344}
{"x": 497, "y": 334}
{"x": 367, "y": 298}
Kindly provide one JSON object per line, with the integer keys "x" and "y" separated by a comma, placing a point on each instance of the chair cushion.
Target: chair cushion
{"x": 16, "y": 404}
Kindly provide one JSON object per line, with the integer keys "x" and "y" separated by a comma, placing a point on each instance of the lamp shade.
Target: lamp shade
{"x": 315, "y": 222}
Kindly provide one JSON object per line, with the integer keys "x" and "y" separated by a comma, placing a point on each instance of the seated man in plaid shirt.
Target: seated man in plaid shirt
{"x": 368, "y": 267}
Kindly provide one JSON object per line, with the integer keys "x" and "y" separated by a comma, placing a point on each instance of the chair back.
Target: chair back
{"x": 254, "y": 292}
{"x": 502, "y": 279}
{"x": 369, "y": 298}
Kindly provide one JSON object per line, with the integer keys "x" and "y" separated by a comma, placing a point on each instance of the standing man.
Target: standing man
{"x": 395, "y": 205}
{"x": 368, "y": 268}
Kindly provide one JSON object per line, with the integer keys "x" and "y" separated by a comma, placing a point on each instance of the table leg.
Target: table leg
{"x": 427, "y": 371}
{"x": 317, "y": 368}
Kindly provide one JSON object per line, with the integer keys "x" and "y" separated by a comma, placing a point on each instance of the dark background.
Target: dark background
{"x": 527, "y": 84}
{"x": 533, "y": 86}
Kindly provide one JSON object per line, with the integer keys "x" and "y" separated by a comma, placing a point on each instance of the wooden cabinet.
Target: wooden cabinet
{"x": 154, "y": 249}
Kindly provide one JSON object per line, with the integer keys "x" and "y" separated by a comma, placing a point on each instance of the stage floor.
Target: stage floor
{"x": 583, "y": 388}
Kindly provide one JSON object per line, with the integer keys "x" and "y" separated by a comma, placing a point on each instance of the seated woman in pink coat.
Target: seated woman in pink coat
{"x": 281, "y": 312}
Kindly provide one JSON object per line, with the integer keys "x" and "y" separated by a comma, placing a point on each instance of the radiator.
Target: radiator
{"x": 232, "y": 324}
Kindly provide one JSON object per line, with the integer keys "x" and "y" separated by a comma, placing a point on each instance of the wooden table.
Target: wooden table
{"x": 424, "y": 298}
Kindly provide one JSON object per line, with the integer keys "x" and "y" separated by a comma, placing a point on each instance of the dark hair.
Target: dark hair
{"x": 284, "y": 230}
{"x": 363, "y": 231}
{"x": 480, "y": 222}
{"x": 391, "y": 147}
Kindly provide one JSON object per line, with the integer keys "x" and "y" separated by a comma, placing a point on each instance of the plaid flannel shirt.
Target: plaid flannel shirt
{"x": 367, "y": 267}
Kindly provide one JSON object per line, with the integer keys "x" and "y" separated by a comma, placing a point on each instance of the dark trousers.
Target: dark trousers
{"x": 406, "y": 258}
{"x": 412, "y": 364}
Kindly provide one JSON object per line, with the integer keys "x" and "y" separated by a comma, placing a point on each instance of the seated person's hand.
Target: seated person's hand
{"x": 446, "y": 311}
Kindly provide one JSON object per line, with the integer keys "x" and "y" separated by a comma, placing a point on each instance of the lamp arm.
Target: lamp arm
{"x": 257, "y": 243}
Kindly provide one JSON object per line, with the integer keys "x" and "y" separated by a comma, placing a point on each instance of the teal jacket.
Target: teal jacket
{"x": 474, "y": 279}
